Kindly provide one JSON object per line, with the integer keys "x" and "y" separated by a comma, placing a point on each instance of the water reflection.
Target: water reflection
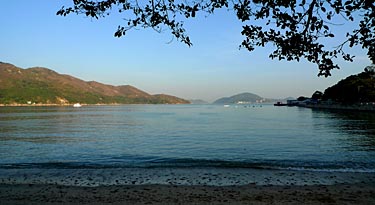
{"x": 357, "y": 127}
{"x": 41, "y": 139}
{"x": 106, "y": 134}
{"x": 64, "y": 124}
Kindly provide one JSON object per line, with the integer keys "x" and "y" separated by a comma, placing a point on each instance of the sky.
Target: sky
{"x": 214, "y": 67}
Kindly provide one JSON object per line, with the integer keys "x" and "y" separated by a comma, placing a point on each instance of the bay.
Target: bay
{"x": 178, "y": 136}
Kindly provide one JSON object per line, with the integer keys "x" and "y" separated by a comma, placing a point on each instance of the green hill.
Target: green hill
{"x": 44, "y": 86}
{"x": 353, "y": 89}
{"x": 243, "y": 97}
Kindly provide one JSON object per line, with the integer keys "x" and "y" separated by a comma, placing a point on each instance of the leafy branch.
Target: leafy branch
{"x": 296, "y": 29}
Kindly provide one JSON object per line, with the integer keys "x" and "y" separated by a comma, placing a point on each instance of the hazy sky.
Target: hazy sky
{"x": 32, "y": 35}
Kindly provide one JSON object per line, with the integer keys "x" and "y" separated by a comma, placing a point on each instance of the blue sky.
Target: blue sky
{"x": 32, "y": 35}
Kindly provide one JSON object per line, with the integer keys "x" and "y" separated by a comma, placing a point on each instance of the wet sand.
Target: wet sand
{"x": 181, "y": 194}
{"x": 184, "y": 186}
{"x": 181, "y": 176}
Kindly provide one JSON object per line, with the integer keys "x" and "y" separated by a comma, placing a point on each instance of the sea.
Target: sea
{"x": 185, "y": 144}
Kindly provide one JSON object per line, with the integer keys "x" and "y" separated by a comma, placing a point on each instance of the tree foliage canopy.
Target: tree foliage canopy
{"x": 317, "y": 95}
{"x": 296, "y": 28}
{"x": 354, "y": 89}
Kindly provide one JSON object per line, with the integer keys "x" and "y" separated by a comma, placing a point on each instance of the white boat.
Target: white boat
{"x": 77, "y": 105}
{"x": 226, "y": 105}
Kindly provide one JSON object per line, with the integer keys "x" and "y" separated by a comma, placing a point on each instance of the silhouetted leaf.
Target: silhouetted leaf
{"x": 296, "y": 29}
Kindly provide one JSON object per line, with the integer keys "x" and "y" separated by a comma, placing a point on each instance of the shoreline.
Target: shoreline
{"x": 362, "y": 108}
{"x": 71, "y": 105}
{"x": 192, "y": 194}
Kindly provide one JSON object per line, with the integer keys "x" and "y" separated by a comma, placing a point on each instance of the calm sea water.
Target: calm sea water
{"x": 264, "y": 137}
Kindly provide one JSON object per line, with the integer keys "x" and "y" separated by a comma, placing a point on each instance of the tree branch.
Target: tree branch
{"x": 310, "y": 13}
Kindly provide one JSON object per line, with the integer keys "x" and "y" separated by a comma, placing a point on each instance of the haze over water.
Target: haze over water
{"x": 178, "y": 136}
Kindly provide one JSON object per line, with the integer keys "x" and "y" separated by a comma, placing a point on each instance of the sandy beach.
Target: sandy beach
{"x": 172, "y": 194}
{"x": 184, "y": 186}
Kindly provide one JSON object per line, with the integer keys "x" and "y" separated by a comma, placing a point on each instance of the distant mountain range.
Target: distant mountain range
{"x": 44, "y": 86}
{"x": 198, "y": 101}
{"x": 247, "y": 97}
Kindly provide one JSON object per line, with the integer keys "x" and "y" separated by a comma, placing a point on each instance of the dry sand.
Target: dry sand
{"x": 361, "y": 193}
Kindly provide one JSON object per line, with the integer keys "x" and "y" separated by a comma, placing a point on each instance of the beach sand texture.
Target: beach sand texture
{"x": 184, "y": 186}
{"x": 181, "y": 194}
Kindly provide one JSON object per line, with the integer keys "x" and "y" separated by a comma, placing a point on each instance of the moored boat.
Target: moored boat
{"x": 280, "y": 104}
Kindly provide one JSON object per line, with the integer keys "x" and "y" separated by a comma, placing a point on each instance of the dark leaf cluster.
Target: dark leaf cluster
{"x": 296, "y": 28}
